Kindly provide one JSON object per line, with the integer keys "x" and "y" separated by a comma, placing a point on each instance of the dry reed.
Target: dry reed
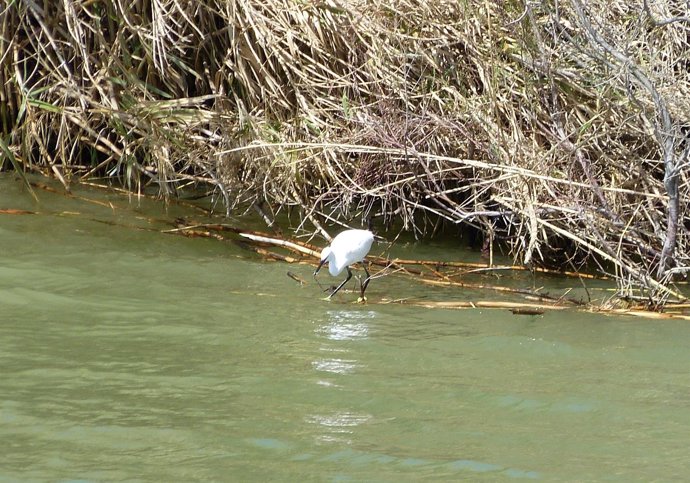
{"x": 554, "y": 129}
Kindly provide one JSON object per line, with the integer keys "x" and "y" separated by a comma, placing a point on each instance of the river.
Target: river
{"x": 132, "y": 355}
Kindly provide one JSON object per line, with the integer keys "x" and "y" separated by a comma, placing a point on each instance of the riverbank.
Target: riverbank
{"x": 557, "y": 134}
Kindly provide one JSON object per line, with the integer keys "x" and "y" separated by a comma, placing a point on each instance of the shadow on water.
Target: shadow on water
{"x": 131, "y": 355}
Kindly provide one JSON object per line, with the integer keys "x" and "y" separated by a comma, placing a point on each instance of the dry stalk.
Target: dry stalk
{"x": 555, "y": 129}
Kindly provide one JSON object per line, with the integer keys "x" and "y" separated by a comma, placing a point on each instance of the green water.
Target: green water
{"x": 129, "y": 355}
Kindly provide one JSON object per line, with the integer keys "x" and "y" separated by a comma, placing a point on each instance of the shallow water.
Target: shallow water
{"x": 129, "y": 355}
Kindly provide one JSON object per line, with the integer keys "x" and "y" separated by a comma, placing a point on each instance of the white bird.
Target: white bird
{"x": 348, "y": 247}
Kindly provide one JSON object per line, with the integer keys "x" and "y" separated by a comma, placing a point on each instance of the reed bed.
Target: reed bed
{"x": 554, "y": 129}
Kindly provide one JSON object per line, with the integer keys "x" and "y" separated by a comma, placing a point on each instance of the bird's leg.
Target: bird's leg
{"x": 363, "y": 286}
{"x": 349, "y": 276}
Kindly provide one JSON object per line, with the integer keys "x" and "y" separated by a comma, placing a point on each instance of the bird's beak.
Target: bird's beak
{"x": 319, "y": 267}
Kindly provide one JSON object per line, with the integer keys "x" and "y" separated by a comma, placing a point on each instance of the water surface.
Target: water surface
{"x": 130, "y": 355}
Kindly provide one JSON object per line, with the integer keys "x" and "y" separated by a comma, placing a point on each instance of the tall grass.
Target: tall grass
{"x": 517, "y": 118}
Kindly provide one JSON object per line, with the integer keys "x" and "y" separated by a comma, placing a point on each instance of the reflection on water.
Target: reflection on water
{"x": 128, "y": 355}
{"x": 346, "y": 324}
{"x": 341, "y": 328}
{"x": 336, "y": 366}
{"x": 337, "y": 427}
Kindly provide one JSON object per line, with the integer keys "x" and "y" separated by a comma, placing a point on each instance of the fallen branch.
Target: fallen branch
{"x": 282, "y": 243}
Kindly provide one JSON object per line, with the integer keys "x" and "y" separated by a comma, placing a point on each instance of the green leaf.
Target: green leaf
{"x": 346, "y": 105}
{"x": 7, "y": 154}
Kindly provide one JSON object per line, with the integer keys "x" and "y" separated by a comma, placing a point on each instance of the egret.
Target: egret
{"x": 348, "y": 247}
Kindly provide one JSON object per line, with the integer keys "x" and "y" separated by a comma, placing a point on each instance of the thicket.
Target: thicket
{"x": 555, "y": 128}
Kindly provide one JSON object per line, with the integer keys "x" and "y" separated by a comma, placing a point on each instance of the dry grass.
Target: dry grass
{"x": 511, "y": 117}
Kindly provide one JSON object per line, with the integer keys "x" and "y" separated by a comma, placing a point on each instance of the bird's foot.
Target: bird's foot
{"x": 361, "y": 300}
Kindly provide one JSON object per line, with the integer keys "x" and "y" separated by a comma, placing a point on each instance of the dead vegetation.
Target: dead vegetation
{"x": 473, "y": 279}
{"x": 555, "y": 129}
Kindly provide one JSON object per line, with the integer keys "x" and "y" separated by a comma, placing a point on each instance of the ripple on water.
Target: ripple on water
{"x": 345, "y": 325}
